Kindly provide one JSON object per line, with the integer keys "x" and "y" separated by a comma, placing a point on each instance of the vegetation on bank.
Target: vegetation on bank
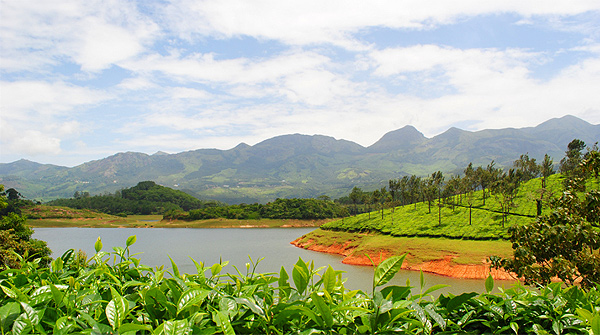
{"x": 299, "y": 209}
{"x": 149, "y": 198}
{"x": 15, "y": 235}
{"x": 143, "y": 199}
{"x": 111, "y": 292}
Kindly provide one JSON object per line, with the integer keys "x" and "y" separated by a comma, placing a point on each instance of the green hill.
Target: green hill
{"x": 145, "y": 198}
{"x": 486, "y": 220}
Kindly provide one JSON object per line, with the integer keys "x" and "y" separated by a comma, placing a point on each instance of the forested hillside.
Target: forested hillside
{"x": 145, "y": 198}
{"x": 299, "y": 166}
{"x": 300, "y": 209}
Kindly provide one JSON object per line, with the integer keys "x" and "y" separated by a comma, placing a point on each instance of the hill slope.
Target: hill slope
{"x": 299, "y": 165}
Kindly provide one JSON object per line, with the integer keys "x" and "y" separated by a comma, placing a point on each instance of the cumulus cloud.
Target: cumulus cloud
{"x": 93, "y": 34}
{"x": 36, "y": 115}
{"x": 29, "y": 142}
{"x": 313, "y": 21}
{"x": 32, "y": 100}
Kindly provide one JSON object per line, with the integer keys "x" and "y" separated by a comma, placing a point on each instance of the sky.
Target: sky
{"x": 83, "y": 80}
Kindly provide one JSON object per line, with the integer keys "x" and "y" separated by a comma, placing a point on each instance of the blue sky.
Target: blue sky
{"x": 82, "y": 80}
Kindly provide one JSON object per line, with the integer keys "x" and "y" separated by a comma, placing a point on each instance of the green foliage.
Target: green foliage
{"x": 16, "y": 244}
{"x": 113, "y": 293}
{"x": 564, "y": 243}
{"x": 144, "y": 199}
{"x": 301, "y": 209}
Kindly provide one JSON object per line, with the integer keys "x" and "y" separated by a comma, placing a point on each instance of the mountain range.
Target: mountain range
{"x": 299, "y": 165}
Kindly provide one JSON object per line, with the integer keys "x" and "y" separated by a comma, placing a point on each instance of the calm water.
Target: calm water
{"x": 235, "y": 246}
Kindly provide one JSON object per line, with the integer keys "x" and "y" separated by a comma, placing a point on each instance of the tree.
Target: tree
{"x": 414, "y": 187}
{"x": 505, "y": 189}
{"x": 429, "y": 192}
{"x": 469, "y": 184}
{"x": 16, "y": 243}
{"x": 356, "y": 196}
{"x": 527, "y": 167}
{"x": 375, "y": 197}
{"x": 561, "y": 244}
{"x": 491, "y": 175}
{"x": 383, "y": 198}
{"x": 546, "y": 170}
{"x": 453, "y": 188}
{"x": 572, "y": 157}
{"x": 438, "y": 180}
{"x": 570, "y": 165}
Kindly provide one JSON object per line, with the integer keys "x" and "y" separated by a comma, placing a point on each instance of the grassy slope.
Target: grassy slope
{"x": 486, "y": 221}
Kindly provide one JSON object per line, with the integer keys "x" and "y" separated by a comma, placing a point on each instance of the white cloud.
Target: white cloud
{"x": 36, "y": 116}
{"x": 314, "y": 21}
{"x": 35, "y": 100}
{"x": 136, "y": 84}
{"x": 205, "y": 68}
{"x": 93, "y": 34}
{"x": 29, "y": 142}
{"x": 492, "y": 86}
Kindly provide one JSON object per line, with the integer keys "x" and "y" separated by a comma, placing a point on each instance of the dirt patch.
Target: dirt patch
{"x": 444, "y": 267}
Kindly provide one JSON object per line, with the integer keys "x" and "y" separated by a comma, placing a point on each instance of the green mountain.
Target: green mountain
{"x": 299, "y": 165}
{"x": 143, "y": 199}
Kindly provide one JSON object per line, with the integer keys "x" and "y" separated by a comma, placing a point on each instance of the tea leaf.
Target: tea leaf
{"x": 116, "y": 310}
{"x": 329, "y": 280}
{"x": 253, "y": 306}
{"x": 176, "y": 327}
{"x": 98, "y": 245}
{"x": 130, "y": 240}
{"x": 387, "y": 269}
{"x": 223, "y": 323}
{"x": 596, "y": 325}
{"x": 436, "y": 316}
{"x": 10, "y": 293}
{"x": 175, "y": 268}
{"x": 132, "y": 327}
{"x": 8, "y": 314}
{"x": 323, "y": 309}
{"x": 191, "y": 297}
{"x": 434, "y": 288}
{"x": 489, "y": 283}
{"x": 457, "y": 301}
{"x": 300, "y": 275}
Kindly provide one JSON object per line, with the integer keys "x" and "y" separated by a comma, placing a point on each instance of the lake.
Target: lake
{"x": 233, "y": 245}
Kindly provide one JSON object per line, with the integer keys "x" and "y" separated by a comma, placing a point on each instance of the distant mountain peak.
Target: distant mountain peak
{"x": 562, "y": 122}
{"x": 297, "y": 165}
{"x": 400, "y": 139}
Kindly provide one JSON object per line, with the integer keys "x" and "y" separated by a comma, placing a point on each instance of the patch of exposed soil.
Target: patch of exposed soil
{"x": 444, "y": 266}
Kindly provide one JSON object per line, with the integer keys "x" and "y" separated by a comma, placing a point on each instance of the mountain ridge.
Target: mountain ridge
{"x": 297, "y": 165}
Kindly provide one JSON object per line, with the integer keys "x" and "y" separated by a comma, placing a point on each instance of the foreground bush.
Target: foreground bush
{"x": 113, "y": 293}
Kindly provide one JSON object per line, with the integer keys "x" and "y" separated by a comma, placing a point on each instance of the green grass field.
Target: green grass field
{"x": 485, "y": 222}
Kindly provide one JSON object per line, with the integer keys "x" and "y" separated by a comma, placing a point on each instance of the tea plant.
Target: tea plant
{"x": 112, "y": 293}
